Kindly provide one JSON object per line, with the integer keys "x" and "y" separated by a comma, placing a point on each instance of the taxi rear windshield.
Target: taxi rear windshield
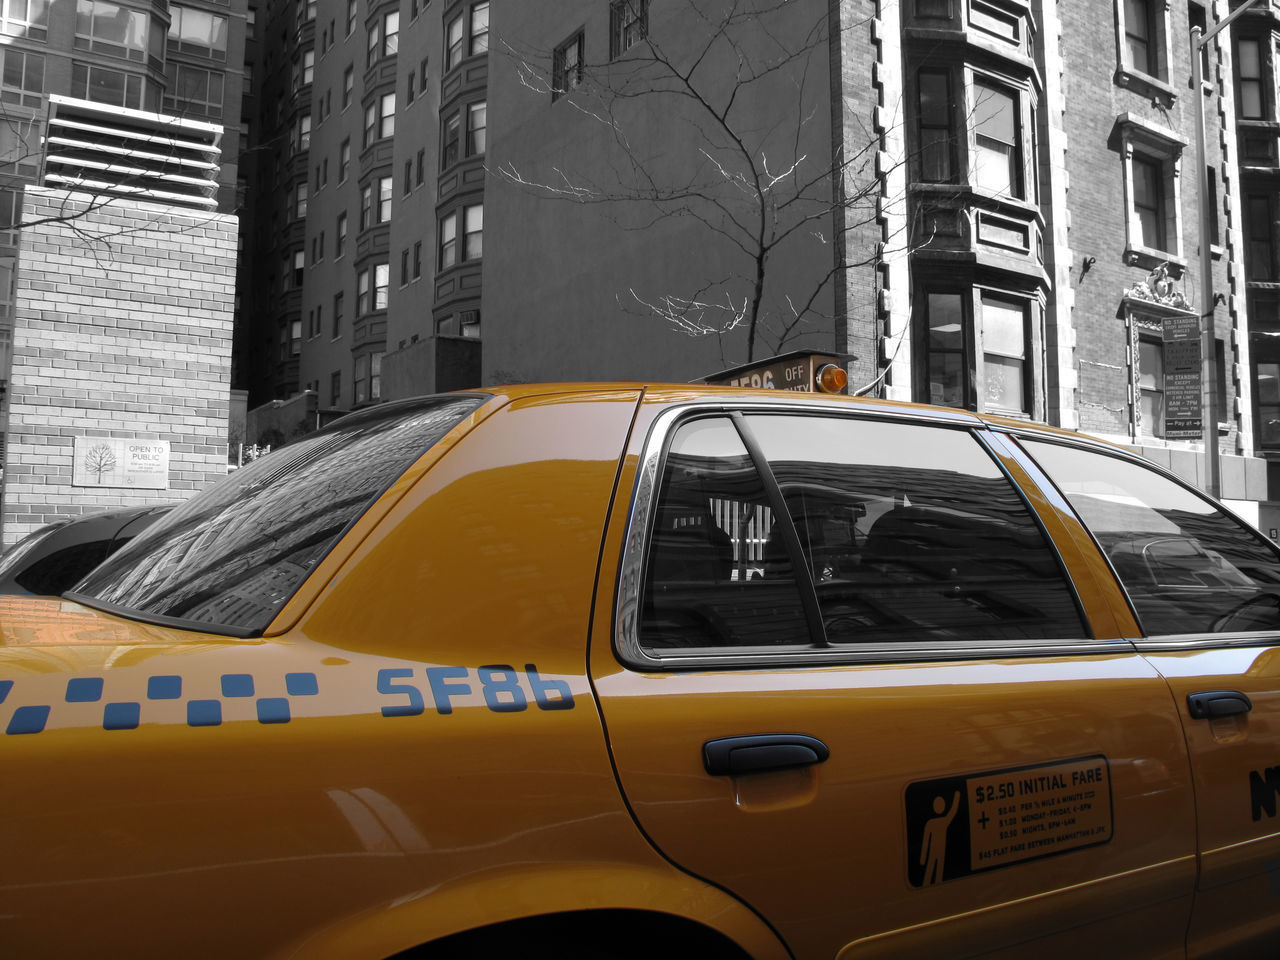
{"x": 229, "y": 558}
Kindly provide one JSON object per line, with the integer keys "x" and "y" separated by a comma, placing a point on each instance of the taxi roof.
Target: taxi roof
{"x": 676, "y": 393}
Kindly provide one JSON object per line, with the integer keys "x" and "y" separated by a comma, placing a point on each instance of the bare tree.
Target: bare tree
{"x": 741, "y": 90}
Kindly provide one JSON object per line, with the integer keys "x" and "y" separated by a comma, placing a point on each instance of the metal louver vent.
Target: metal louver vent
{"x": 119, "y": 152}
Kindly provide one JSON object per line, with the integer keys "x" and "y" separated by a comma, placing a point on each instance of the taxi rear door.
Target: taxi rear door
{"x": 1206, "y": 590}
{"x": 847, "y": 677}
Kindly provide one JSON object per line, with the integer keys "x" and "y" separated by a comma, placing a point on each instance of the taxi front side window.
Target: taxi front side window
{"x": 842, "y": 531}
{"x": 1187, "y": 566}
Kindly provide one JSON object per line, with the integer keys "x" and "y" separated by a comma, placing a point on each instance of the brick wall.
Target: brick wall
{"x": 122, "y": 329}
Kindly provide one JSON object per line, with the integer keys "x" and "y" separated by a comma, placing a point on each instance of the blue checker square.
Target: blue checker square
{"x": 301, "y": 684}
{"x": 204, "y": 713}
{"x": 273, "y": 710}
{"x": 237, "y": 685}
{"x": 5, "y": 687}
{"x": 164, "y": 688}
{"x": 28, "y": 720}
{"x": 84, "y": 690}
{"x": 121, "y": 716}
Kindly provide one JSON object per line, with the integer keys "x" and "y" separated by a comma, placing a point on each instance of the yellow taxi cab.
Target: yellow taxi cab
{"x": 614, "y": 670}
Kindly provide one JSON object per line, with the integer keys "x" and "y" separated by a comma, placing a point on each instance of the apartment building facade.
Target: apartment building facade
{"x": 990, "y": 204}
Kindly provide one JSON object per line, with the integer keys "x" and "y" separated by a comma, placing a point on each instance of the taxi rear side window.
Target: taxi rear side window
{"x": 891, "y": 532}
{"x": 1188, "y": 567}
{"x": 230, "y": 557}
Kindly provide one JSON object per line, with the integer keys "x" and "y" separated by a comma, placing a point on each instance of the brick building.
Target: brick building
{"x": 117, "y": 273}
{"x": 985, "y": 203}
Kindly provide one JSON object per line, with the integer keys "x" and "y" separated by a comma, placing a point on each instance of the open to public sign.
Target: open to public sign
{"x": 119, "y": 462}
{"x": 803, "y": 371}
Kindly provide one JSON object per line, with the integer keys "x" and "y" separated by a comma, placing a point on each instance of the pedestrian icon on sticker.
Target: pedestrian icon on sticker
{"x": 933, "y": 845}
{"x": 937, "y": 831}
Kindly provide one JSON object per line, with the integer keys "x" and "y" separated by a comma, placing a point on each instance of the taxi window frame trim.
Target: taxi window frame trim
{"x": 630, "y": 583}
{"x": 1146, "y": 641}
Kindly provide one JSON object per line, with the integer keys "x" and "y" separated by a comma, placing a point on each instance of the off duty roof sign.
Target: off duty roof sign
{"x": 802, "y": 370}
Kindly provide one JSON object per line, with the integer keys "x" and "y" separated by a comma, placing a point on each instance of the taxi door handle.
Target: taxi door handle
{"x": 1217, "y": 703}
{"x": 762, "y": 752}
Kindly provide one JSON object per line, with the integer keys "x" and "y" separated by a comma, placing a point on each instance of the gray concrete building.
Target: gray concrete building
{"x": 991, "y": 204}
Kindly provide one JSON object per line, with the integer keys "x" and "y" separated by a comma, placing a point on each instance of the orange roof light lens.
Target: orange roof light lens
{"x": 831, "y": 378}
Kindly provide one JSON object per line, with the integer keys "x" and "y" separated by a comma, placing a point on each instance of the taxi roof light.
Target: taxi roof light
{"x": 831, "y": 378}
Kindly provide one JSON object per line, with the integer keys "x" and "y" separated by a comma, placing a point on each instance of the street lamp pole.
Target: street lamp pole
{"x": 1208, "y": 339}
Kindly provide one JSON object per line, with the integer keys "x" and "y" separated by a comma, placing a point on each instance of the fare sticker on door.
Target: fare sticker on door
{"x": 957, "y": 826}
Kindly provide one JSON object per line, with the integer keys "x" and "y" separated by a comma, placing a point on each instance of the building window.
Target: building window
{"x": 1152, "y": 158}
{"x": 303, "y": 140}
{"x": 348, "y": 86}
{"x": 1196, "y": 17}
{"x": 106, "y": 86}
{"x": 408, "y": 177}
{"x": 1149, "y": 203}
{"x": 1142, "y": 35}
{"x": 344, "y": 160}
{"x": 295, "y": 338}
{"x": 370, "y": 123}
{"x": 1005, "y": 347}
{"x": 374, "y": 44}
{"x": 449, "y": 148}
{"x": 409, "y": 91}
{"x": 381, "y": 285}
{"x": 448, "y": 240}
{"x": 109, "y": 28}
{"x": 1260, "y": 232}
{"x": 366, "y": 206}
{"x": 453, "y": 43}
{"x": 566, "y": 66}
{"x": 340, "y": 244}
{"x": 19, "y": 153}
{"x": 192, "y": 90}
{"x": 368, "y": 378}
{"x": 1250, "y": 79}
{"x": 628, "y": 25}
{"x": 997, "y": 160}
{"x": 479, "y": 29}
{"x": 385, "y": 186}
{"x": 28, "y": 19}
{"x": 362, "y": 293}
{"x": 338, "y": 303}
{"x": 473, "y": 239}
{"x": 418, "y": 164}
{"x": 335, "y": 388}
{"x": 944, "y": 342}
{"x": 937, "y": 127}
{"x": 22, "y": 79}
{"x": 417, "y": 259}
{"x": 476, "y": 113}
{"x": 404, "y": 266}
{"x": 197, "y": 32}
{"x": 1151, "y": 384}
{"x": 988, "y": 333}
{"x": 351, "y": 16}
{"x": 300, "y": 203}
{"x": 469, "y": 324}
{"x": 299, "y": 268}
{"x": 308, "y": 67}
{"x": 386, "y": 115}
